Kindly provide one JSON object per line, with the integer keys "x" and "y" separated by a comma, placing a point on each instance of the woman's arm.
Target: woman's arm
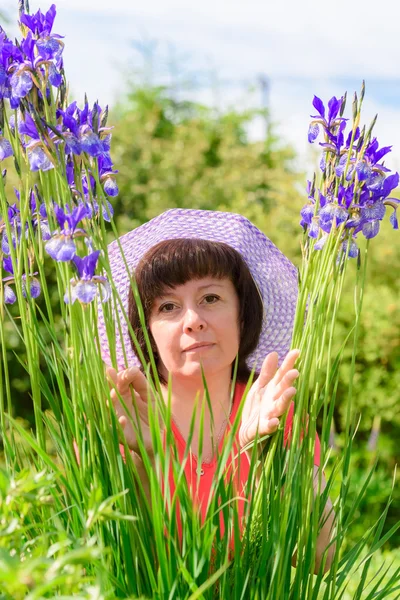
{"x": 142, "y": 476}
{"x": 326, "y": 532}
{"x": 328, "y": 520}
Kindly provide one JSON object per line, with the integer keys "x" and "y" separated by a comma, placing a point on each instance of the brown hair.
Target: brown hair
{"x": 174, "y": 262}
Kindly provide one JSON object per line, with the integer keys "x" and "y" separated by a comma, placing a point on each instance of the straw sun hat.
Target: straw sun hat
{"x": 274, "y": 275}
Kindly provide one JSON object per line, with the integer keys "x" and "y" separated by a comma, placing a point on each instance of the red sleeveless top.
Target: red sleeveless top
{"x": 202, "y": 492}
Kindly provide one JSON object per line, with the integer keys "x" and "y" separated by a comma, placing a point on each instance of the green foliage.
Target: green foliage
{"x": 184, "y": 155}
{"x": 39, "y": 557}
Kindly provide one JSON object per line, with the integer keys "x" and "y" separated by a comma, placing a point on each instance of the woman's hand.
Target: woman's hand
{"x": 269, "y": 397}
{"x": 127, "y": 384}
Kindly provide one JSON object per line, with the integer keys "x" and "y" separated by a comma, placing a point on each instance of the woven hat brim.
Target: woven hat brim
{"x": 275, "y": 276}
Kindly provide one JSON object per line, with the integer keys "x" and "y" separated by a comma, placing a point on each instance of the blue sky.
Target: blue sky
{"x": 302, "y": 47}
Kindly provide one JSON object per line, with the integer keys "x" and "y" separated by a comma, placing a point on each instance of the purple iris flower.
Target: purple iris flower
{"x": 62, "y": 246}
{"x": 21, "y": 83}
{"x": 328, "y": 124}
{"x": 38, "y": 159}
{"x": 8, "y": 53}
{"x": 353, "y": 248}
{"x": 336, "y": 140}
{"x": 83, "y": 132}
{"x": 332, "y": 213}
{"x": 88, "y": 286}
{"x": 9, "y": 295}
{"x": 110, "y": 187}
{"x": 307, "y": 213}
{"x": 5, "y": 148}
{"x": 13, "y": 217}
{"x": 79, "y": 123}
{"x": 37, "y": 56}
{"x": 359, "y": 201}
{"x": 31, "y": 280}
{"x": 48, "y": 45}
{"x": 308, "y": 210}
{"x": 40, "y": 24}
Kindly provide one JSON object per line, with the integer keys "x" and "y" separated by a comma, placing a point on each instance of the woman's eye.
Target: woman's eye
{"x": 167, "y": 307}
{"x": 211, "y": 298}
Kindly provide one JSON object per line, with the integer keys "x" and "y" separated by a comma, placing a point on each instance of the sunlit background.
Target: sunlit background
{"x": 233, "y": 53}
{"x": 241, "y": 56}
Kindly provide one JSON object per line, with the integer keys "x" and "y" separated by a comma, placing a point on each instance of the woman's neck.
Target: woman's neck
{"x": 186, "y": 390}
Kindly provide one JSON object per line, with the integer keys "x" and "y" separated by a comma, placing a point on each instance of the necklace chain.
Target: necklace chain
{"x": 209, "y": 456}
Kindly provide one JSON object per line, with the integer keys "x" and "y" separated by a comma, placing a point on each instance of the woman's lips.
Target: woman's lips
{"x": 198, "y": 347}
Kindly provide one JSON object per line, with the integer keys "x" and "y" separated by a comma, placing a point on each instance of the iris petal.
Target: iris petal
{"x": 314, "y": 228}
{"x": 91, "y": 144}
{"x": 111, "y": 187}
{"x": 61, "y": 248}
{"x": 38, "y": 160}
{"x": 86, "y": 291}
{"x": 108, "y": 212}
{"x": 373, "y": 211}
{"x": 73, "y": 296}
{"x": 9, "y": 296}
{"x": 321, "y": 243}
{"x": 371, "y": 229}
{"x": 353, "y": 250}
{"x": 393, "y": 220}
{"x": 313, "y": 132}
{"x": 5, "y": 148}
{"x": 307, "y": 212}
{"x": 34, "y": 287}
{"x": 21, "y": 84}
{"x": 104, "y": 291}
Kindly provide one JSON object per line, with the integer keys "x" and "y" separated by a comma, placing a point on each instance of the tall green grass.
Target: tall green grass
{"x": 100, "y": 526}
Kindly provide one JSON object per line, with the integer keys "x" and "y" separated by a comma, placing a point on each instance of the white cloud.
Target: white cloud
{"x": 300, "y": 45}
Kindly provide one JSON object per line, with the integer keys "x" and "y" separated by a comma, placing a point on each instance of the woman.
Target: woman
{"x": 214, "y": 289}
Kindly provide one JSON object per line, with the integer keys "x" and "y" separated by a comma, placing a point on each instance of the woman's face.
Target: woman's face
{"x": 196, "y": 324}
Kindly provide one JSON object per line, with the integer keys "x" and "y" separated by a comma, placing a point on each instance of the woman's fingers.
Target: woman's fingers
{"x": 268, "y": 426}
{"x": 112, "y": 377}
{"x": 281, "y": 405}
{"x": 287, "y": 365}
{"x": 135, "y": 378}
{"x": 287, "y": 381}
{"x": 268, "y": 369}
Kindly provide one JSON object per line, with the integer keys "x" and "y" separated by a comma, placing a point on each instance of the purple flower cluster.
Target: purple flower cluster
{"x": 62, "y": 247}
{"x": 53, "y": 134}
{"x": 29, "y": 69}
{"x": 17, "y": 230}
{"x": 9, "y": 294}
{"x": 34, "y": 62}
{"x": 88, "y": 286}
{"x": 356, "y": 185}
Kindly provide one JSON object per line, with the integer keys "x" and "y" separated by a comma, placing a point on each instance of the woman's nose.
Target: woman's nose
{"x": 193, "y": 321}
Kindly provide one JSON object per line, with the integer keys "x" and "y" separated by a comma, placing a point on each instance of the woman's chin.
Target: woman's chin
{"x": 196, "y": 369}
